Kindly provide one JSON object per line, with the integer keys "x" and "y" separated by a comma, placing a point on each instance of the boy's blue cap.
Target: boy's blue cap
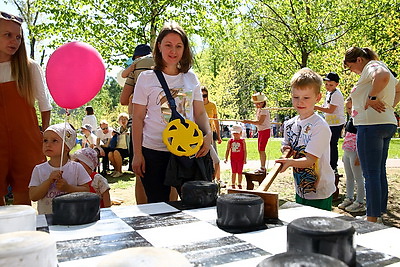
{"x": 142, "y": 50}
{"x": 332, "y": 76}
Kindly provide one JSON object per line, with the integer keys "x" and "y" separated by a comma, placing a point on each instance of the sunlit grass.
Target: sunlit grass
{"x": 274, "y": 144}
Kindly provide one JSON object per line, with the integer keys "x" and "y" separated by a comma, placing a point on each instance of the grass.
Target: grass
{"x": 274, "y": 144}
{"x": 123, "y": 182}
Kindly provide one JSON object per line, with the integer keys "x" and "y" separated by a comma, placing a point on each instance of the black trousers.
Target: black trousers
{"x": 336, "y": 134}
{"x": 154, "y": 177}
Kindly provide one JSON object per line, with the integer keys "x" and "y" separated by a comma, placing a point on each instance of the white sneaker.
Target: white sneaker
{"x": 355, "y": 207}
{"x": 117, "y": 174}
{"x": 364, "y": 218}
{"x": 346, "y": 202}
{"x": 221, "y": 184}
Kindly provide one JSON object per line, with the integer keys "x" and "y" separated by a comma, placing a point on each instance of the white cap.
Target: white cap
{"x": 88, "y": 156}
{"x": 236, "y": 129}
{"x": 70, "y": 134}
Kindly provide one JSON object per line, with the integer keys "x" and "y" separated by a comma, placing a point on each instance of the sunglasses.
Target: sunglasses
{"x": 105, "y": 128}
{"x": 7, "y": 16}
{"x": 204, "y": 96}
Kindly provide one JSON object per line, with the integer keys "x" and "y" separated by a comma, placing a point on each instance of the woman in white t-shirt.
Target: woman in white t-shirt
{"x": 173, "y": 57}
{"x": 374, "y": 96}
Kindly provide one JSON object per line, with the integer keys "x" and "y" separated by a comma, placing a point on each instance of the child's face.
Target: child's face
{"x": 123, "y": 121}
{"x": 86, "y": 132}
{"x": 348, "y": 107}
{"x": 304, "y": 101}
{"x": 259, "y": 105}
{"x": 85, "y": 166}
{"x": 237, "y": 135}
{"x": 330, "y": 85}
{"x": 52, "y": 144}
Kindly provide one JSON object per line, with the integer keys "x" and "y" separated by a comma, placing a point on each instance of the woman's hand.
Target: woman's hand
{"x": 138, "y": 164}
{"x": 207, "y": 139}
{"x": 376, "y": 104}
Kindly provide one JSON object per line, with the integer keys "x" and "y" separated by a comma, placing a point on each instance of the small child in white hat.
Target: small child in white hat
{"x": 236, "y": 147}
{"x": 59, "y": 175}
{"x": 88, "y": 157}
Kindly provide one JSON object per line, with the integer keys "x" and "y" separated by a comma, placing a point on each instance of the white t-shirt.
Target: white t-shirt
{"x": 362, "y": 89}
{"x": 337, "y": 117}
{"x": 90, "y": 140}
{"x": 184, "y": 87}
{"x": 41, "y": 93}
{"x": 313, "y": 136}
{"x": 104, "y": 137}
{"x": 267, "y": 122}
{"x": 73, "y": 173}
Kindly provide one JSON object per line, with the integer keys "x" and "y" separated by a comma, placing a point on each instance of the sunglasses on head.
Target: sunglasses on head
{"x": 7, "y": 16}
{"x": 204, "y": 96}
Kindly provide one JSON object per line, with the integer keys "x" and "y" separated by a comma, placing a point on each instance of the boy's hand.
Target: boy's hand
{"x": 284, "y": 148}
{"x": 286, "y": 163}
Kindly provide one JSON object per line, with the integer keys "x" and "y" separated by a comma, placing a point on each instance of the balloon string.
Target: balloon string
{"x": 63, "y": 139}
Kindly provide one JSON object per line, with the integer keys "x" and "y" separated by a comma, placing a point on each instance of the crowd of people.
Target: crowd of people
{"x": 311, "y": 139}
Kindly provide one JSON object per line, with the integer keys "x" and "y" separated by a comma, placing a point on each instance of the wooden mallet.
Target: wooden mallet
{"x": 271, "y": 200}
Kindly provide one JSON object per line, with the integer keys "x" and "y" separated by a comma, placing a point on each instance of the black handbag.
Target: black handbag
{"x": 181, "y": 169}
{"x": 349, "y": 127}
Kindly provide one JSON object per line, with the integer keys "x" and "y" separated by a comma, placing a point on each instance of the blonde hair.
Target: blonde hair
{"x": 305, "y": 78}
{"x": 21, "y": 72}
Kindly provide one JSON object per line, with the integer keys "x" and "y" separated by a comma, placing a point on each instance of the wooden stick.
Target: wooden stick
{"x": 271, "y": 200}
{"x": 266, "y": 183}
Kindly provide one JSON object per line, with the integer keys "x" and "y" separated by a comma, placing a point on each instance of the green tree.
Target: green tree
{"x": 115, "y": 27}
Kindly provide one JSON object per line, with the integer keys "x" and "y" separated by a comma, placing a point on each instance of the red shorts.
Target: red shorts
{"x": 237, "y": 166}
{"x": 263, "y": 137}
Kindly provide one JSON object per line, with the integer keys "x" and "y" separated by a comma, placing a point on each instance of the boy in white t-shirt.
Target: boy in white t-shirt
{"x": 59, "y": 175}
{"x": 333, "y": 109}
{"x": 308, "y": 136}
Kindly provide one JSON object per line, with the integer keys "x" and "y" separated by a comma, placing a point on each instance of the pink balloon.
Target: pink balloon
{"x": 75, "y": 74}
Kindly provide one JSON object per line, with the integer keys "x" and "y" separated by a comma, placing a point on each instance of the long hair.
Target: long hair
{"x": 187, "y": 58}
{"x": 355, "y": 52}
{"x": 20, "y": 71}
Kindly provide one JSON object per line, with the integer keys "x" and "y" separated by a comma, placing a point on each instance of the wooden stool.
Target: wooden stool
{"x": 253, "y": 177}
